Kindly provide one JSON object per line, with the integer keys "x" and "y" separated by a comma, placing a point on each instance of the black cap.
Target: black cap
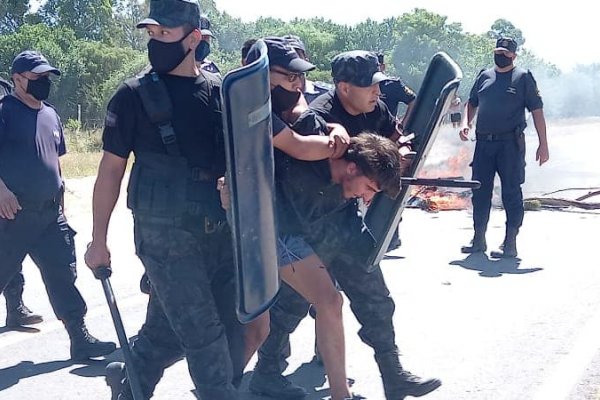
{"x": 173, "y": 13}
{"x": 281, "y": 54}
{"x": 205, "y": 27}
{"x": 295, "y": 42}
{"x": 32, "y": 61}
{"x": 506, "y": 44}
{"x": 358, "y": 67}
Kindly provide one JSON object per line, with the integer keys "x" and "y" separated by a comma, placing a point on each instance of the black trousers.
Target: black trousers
{"x": 507, "y": 159}
{"x": 45, "y": 236}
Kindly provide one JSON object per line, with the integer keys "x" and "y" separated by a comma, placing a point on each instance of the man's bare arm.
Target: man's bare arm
{"x": 539, "y": 121}
{"x": 106, "y": 194}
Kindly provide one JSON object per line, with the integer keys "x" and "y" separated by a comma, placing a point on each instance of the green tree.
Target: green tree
{"x": 505, "y": 28}
{"x": 12, "y": 14}
{"x": 92, "y": 20}
{"x": 126, "y": 14}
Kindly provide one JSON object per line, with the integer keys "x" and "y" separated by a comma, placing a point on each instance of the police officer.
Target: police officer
{"x": 31, "y": 198}
{"x": 499, "y": 98}
{"x": 355, "y": 104}
{"x": 17, "y": 313}
{"x": 203, "y": 49}
{"x": 181, "y": 234}
{"x": 394, "y": 91}
{"x": 311, "y": 89}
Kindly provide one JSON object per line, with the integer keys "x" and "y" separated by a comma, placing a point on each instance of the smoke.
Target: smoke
{"x": 574, "y": 163}
{"x": 573, "y": 94}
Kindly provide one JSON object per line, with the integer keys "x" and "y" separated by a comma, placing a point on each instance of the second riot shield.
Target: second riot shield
{"x": 431, "y": 105}
{"x": 250, "y": 176}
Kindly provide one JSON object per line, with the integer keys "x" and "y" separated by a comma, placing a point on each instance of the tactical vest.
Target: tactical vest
{"x": 164, "y": 184}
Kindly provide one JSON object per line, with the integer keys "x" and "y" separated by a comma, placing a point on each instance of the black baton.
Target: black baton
{"x": 103, "y": 274}
{"x": 454, "y": 183}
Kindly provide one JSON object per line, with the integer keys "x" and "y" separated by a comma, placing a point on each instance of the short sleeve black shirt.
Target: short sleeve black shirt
{"x": 196, "y": 121}
{"x": 31, "y": 141}
{"x": 393, "y": 92}
{"x": 379, "y": 121}
{"x": 502, "y": 97}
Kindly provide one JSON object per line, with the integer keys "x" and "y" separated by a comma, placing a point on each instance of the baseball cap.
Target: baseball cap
{"x": 295, "y": 42}
{"x": 281, "y": 54}
{"x": 506, "y": 44}
{"x": 32, "y": 61}
{"x": 172, "y": 13}
{"x": 205, "y": 26}
{"x": 358, "y": 67}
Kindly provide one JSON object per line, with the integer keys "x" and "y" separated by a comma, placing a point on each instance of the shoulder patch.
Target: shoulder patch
{"x": 111, "y": 119}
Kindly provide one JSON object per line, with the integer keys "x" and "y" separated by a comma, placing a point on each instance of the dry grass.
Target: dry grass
{"x": 79, "y": 165}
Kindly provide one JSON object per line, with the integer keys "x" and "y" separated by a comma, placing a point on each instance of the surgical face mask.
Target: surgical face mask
{"x": 165, "y": 57}
{"x": 39, "y": 88}
{"x": 501, "y": 60}
{"x": 202, "y": 51}
{"x": 283, "y": 99}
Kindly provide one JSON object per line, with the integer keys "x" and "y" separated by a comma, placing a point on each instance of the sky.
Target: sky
{"x": 565, "y": 33}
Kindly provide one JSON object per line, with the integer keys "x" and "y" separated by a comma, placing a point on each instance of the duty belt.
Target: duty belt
{"x": 492, "y": 137}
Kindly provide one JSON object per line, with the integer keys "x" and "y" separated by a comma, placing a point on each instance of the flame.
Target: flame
{"x": 433, "y": 199}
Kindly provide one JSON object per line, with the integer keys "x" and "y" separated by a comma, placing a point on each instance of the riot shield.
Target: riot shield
{"x": 431, "y": 105}
{"x": 250, "y": 175}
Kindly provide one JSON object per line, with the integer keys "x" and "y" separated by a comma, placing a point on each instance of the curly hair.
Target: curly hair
{"x": 377, "y": 158}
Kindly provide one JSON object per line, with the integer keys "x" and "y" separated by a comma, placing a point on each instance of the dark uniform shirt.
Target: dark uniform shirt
{"x": 502, "y": 98}
{"x": 5, "y": 88}
{"x": 31, "y": 141}
{"x": 127, "y": 128}
{"x": 313, "y": 90}
{"x": 393, "y": 92}
{"x": 329, "y": 107}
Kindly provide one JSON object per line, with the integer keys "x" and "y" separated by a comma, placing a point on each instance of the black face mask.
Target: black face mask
{"x": 202, "y": 51}
{"x": 501, "y": 60}
{"x": 40, "y": 88}
{"x": 283, "y": 99}
{"x": 165, "y": 57}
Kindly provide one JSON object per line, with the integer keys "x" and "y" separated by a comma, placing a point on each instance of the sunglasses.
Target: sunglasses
{"x": 291, "y": 76}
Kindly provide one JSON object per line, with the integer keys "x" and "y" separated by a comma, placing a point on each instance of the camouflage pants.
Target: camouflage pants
{"x": 192, "y": 307}
{"x": 369, "y": 296}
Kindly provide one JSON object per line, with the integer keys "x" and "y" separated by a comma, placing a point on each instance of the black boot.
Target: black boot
{"x": 21, "y": 315}
{"x": 478, "y": 243}
{"x": 508, "y": 249}
{"x": 84, "y": 345}
{"x": 17, "y": 313}
{"x": 399, "y": 383}
{"x": 275, "y": 386}
{"x": 115, "y": 378}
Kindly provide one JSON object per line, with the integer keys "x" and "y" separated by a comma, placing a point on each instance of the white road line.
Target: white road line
{"x": 9, "y": 339}
{"x": 568, "y": 372}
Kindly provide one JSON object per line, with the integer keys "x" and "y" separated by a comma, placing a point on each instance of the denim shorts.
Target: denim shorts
{"x": 292, "y": 248}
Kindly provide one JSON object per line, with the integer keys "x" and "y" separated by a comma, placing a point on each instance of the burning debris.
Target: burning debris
{"x": 434, "y": 199}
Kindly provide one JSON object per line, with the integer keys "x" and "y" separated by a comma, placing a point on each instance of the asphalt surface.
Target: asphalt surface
{"x": 490, "y": 329}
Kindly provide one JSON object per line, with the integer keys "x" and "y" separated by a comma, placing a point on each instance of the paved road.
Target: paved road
{"x": 496, "y": 330}
{"x": 490, "y": 329}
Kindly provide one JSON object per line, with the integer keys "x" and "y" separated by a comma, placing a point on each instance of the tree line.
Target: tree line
{"x": 96, "y": 45}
